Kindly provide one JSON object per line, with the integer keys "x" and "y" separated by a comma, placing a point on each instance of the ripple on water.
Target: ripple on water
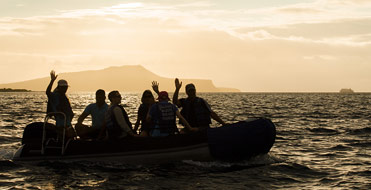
{"x": 8, "y": 127}
{"x": 364, "y": 173}
{"x": 361, "y": 144}
{"x": 340, "y": 147}
{"x": 260, "y": 160}
{"x": 323, "y": 131}
{"x": 300, "y": 170}
{"x": 361, "y": 131}
{"x": 328, "y": 133}
{"x": 8, "y": 139}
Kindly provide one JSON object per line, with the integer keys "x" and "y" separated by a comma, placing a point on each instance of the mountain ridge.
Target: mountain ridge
{"x": 127, "y": 78}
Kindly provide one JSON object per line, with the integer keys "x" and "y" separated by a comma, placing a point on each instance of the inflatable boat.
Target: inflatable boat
{"x": 232, "y": 142}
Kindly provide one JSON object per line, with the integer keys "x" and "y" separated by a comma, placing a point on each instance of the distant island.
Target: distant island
{"x": 128, "y": 78}
{"x": 346, "y": 91}
{"x": 13, "y": 90}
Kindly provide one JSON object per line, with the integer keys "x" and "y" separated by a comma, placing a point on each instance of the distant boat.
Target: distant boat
{"x": 346, "y": 91}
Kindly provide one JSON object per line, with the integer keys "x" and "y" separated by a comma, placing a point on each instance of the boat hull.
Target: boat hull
{"x": 198, "y": 152}
{"x": 233, "y": 142}
{"x": 242, "y": 140}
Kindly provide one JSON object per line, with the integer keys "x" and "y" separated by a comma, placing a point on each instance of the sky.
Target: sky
{"x": 255, "y": 46}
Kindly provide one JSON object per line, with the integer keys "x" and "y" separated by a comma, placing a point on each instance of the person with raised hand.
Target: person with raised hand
{"x": 195, "y": 110}
{"x": 59, "y": 102}
{"x": 163, "y": 115}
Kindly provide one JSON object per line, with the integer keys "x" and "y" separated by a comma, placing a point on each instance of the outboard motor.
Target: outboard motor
{"x": 33, "y": 133}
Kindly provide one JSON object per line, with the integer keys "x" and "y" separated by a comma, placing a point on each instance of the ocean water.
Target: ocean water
{"x": 323, "y": 142}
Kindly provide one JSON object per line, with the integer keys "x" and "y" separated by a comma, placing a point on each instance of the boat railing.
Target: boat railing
{"x": 45, "y": 142}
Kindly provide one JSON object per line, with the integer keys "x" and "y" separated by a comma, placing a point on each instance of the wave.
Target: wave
{"x": 323, "y": 130}
{"x": 223, "y": 166}
{"x": 365, "y": 173}
{"x": 361, "y": 144}
{"x": 366, "y": 130}
{"x": 299, "y": 170}
{"x": 7, "y": 139}
{"x": 340, "y": 147}
{"x": 8, "y": 127}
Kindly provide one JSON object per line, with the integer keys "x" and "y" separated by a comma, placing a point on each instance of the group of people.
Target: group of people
{"x": 155, "y": 118}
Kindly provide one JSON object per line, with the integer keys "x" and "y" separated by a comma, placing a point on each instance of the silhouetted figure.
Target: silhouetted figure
{"x": 97, "y": 111}
{"x": 58, "y": 102}
{"x": 163, "y": 114}
{"x": 147, "y": 101}
{"x": 117, "y": 120}
{"x": 194, "y": 109}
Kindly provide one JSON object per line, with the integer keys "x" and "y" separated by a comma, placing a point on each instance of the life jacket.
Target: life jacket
{"x": 200, "y": 111}
{"x": 166, "y": 120}
{"x": 64, "y": 105}
{"x": 113, "y": 128}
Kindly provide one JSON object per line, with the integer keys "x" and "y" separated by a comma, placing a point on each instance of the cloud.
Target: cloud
{"x": 298, "y": 10}
{"x": 272, "y": 48}
{"x": 260, "y": 35}
{"x": 350, "y": 2}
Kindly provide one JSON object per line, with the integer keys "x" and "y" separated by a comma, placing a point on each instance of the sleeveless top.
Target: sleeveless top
{"x": 113, "y": 128}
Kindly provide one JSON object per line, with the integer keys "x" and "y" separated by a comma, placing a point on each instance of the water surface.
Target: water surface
{"x": 323, "y": 142}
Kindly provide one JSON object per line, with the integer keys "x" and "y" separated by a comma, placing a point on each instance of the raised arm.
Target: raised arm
{"x": 155, "y": 85}
{"x": 52, "y": 79}
{"x": 178, "y": 85}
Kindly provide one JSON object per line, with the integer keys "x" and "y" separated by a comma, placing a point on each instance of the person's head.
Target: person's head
{"x": 147, "y": 97}
{"x": 100, "y": 97}
{"x": 163, "y": 96}
{"x": 191, "y": 90}
{"x": 62, "y": 86}
{"x": 114, "y": 97}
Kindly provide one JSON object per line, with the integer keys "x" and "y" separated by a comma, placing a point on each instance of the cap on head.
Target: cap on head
{"x": 62, "y": 82}
{"x": 190, "y": 87}
{"x": 163, "y": 95}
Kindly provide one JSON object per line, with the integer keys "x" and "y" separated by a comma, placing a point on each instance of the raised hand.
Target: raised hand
{"x": 52, "y": 75}
{"x": 177, "y": 84}
{"x": 155, "y": 85}
{"x": 52, "y": 79}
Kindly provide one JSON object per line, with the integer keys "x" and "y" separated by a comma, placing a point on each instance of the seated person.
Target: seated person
{"x": 163, "y": 114}
{"x": 194, "y": 109}
{"x": 97, "y": 111}
{"x": 147, "y": 101}
{"x": 116, "y": 119}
